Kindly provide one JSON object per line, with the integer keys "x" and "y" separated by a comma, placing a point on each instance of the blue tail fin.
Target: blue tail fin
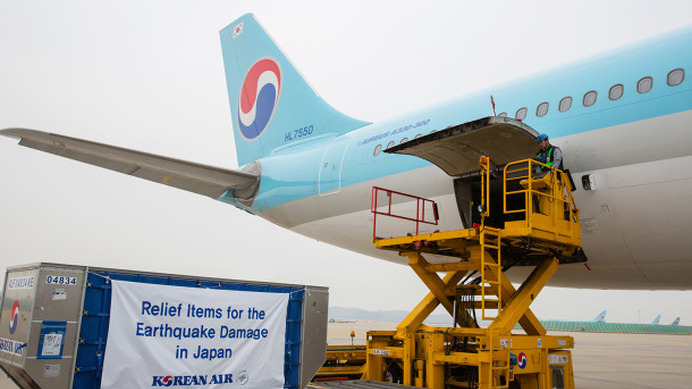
{"x": 600, "y": 318}
{"x": 676, "y": 322}
{"x": 271, "y": 104}
{"x": 656, "y": 320}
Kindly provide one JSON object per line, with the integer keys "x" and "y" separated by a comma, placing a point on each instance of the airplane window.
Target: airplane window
{"x": 542, "y": 109}
{"x": 390, "y": 144}
{"x": 503, "y": 114}
{"x": 616, "y": 91}
{"x": 565, "y": 104}
{"x": 645, "y": 84}
{"x": 676, "y": 77}
{"x": 417, "y": 136}
{"x": 590, "y": 98}
{"x": 378, "y": 150}
{"x": 521, "y": 114}
{"x": 403, "y": 140}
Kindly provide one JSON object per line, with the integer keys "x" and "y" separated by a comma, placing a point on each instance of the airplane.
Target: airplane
{"x": 621, "y": 119}
{"x": 676, "y": 322}
{"x": 657, "y": 320}
{"x": 598, "y": 324}
{"x": 600, "y": 318}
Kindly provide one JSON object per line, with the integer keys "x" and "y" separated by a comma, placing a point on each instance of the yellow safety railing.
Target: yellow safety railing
{"x": 550, "y": 194}
{"x": 484, "y": 164}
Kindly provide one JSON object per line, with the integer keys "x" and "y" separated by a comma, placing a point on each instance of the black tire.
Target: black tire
{"x": 393, "y": 373}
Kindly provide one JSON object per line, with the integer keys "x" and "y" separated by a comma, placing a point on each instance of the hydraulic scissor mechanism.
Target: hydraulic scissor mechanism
{"x": 537, "y": 225}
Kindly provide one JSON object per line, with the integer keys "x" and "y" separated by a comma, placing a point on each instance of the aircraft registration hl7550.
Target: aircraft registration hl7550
{"x": 623, "y": 121}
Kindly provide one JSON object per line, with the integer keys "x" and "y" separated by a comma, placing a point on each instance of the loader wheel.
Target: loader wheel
{"x": 393, "y": 373}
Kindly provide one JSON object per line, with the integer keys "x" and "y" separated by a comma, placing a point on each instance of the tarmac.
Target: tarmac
{"x": 601, "y": 361}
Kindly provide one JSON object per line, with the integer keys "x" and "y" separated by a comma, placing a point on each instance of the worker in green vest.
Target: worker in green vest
{"x": 549, "y": 155}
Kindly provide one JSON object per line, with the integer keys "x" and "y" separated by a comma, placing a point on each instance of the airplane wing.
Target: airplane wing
{"x": 193, "y": 177}
{"x": 456, "y": 149}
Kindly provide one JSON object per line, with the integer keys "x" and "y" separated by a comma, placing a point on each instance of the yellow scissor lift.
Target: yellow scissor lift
{"x": 541, "y": 228}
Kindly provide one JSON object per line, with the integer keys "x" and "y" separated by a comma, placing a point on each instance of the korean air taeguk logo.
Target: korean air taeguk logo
{"x": 521, "y": 360}
{"x": 14, "y": 317}
{"x": 259, "y": 95}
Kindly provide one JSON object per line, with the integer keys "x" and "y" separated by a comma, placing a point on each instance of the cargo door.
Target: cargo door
{"x": 456, "y": 149}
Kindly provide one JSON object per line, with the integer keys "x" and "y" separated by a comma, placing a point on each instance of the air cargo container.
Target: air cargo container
{"x": 55, "y": 323}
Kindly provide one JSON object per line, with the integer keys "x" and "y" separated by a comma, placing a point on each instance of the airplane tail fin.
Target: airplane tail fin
{"x": 600, "y": 318}
{"x": 676, "y": 322}
{"x": 657, "y": 320}
{"x": 271, "y": 103}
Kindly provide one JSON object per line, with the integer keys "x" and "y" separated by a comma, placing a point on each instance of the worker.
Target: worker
{"x": 549, "y": 155}
{"x": 552, "y": 157}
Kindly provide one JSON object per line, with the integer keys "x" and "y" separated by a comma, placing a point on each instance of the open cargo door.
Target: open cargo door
{"x": 456, "y": 149}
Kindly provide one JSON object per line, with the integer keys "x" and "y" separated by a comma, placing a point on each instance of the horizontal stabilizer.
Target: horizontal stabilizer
{"x": 456, "y": 149}
{"x": 206, "y": 180}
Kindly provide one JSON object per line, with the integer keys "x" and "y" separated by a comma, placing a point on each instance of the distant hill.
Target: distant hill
{"x": 392, "y": 316}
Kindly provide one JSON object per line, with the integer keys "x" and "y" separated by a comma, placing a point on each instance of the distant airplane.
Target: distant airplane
{"x": 600, "y": 318}
{"x": 676, "y": 322}
{"x": 598, "y": 324}
{"x": 622, "y": 120}
{"x": 657, "y": 320}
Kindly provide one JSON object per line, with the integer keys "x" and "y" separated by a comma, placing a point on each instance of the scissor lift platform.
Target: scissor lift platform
{"x": 541, "y": 229}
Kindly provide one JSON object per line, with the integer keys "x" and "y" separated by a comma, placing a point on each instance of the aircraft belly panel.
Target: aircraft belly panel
{"x": 656, "y": 198}
{"x": 635, "y": 227}
{"x": 354, "y": 231}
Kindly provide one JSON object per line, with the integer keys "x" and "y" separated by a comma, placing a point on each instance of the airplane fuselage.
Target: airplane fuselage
{"x": 633, "y": 141}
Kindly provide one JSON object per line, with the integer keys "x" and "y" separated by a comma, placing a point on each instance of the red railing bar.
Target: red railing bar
{"x": 420, "y": 209}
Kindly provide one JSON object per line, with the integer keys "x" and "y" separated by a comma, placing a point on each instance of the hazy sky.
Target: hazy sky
{"x": 149, "y": 75}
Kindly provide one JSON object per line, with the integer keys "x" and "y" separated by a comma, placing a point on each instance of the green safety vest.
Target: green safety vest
{"x": 548, "y": 159}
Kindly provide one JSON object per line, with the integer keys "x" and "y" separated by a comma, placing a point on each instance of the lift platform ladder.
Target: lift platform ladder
{"x": 489, "y": 241}
{"x": 540, "y": 228}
